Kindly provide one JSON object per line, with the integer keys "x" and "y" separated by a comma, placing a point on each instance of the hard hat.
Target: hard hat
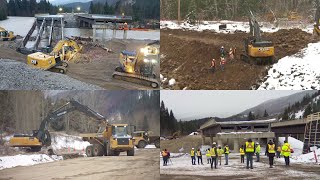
{"x": 214, "y": 143}
{"x": 192, "y": 148}
{"x": 257, "y": 143}
{"x": 222, "y": 47}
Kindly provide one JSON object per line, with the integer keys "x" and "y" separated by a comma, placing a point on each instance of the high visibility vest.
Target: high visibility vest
{"x": 286, "y": 150}
{"x": 164, "y": 153}
{"x": 220, "y": 152}
{"x": 271, "y": 148}
{"x": 212, "y": 152}
{"x": 258, "y": 149}
{"x": 249, "y": 147}
{"x": 241, "y": 151}
{"x": 222, "y": 62}
{"x": 208, "y": 153}
{"x": 213, "y": 63}
{"x": 227, "y": 150}
{"x": 198, "y": 153}
{"x": 279, "y": 149}
{"x": 192, "y": 153}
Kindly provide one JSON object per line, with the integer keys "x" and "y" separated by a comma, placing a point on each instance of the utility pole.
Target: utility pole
{"x": 179, "y": 18}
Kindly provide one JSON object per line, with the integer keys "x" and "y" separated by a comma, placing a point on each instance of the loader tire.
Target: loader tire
{"x": 89, "y": 151}
{"x": 130, "y": 152}
{"x": 142, "y": 144}
{"x": 157, "y": 143}
{"x": 97, "y": 150}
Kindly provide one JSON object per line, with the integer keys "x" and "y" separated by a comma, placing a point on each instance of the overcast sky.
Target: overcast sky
{"x": 187, "y": 105}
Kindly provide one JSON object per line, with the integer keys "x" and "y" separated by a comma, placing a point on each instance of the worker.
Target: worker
{"x": 199, "y": 155}
{"x": 213, "y": 65}
{"x": 286, "y": 152}
{"x": 242, "y": 154}
{"x": 164, "y": 154}
{"x": 249, "y": 149}
{"x": 278, "y": 151}
{"x": 271, "y": 151}
{"x": 220, "y": 154}
{"x": 208, "y": 156}
{"x": 214, "y": 155}
{"x": 226, "y": 154}
{"x": 222, "y": 52}
{"x": 222, "y": 63}
{"x": 193, "y": 159}
{"x": 231, "y": 55}
{"x": 258, "y": 150}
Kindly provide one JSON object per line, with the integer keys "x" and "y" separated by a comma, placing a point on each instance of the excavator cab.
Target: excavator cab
{"x": 5, "y": 35}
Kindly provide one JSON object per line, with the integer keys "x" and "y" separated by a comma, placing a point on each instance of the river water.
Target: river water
{"x": 21, "y": 25}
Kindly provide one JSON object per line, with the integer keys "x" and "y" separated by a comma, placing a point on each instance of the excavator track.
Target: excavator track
{"x": 59, "y": 69}
{"x": 136, "y": 79}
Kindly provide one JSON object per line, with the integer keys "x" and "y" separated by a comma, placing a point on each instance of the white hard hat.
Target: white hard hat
{"x": 222, "y": 47}
{"x": 257, "y": 143}
{"x": 214, "y": 143}
{"x": 192, "y": 148}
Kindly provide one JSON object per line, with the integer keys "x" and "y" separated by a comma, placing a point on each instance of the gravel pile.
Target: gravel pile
{"x": 19, "y": 76}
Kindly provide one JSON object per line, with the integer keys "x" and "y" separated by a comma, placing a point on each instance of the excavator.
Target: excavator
{"x": 139, "y": 67}
{"x": 56, "y": 61}
{"x": 5, "y": 35}
{"x": 316, "y": 30}
{"x": 41, "y": 137}
{"x": 257, "y": 51}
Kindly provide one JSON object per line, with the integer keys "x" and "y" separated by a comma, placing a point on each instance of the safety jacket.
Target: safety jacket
{"x": 249, "y": 147}
{"x": 241, "y": 151}
{"x": 192, "y": 153}
{"x": 279, "y": 149}
{"x": 199, "y": 153}
{"x": 271, "y": 148}
{"x": 213, "y": 151}
{"x": 258, "y": 149}
{"x": 286, "y": 150}
{"x": 164, "y": 153}
{"x": 220, "y": 152}
{"x": 208, "y": 153}
{"x": 227, "y": 150}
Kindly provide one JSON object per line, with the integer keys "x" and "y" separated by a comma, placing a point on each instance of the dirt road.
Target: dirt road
{"x": 187, "y": 57}
{"x": 144, "y": 165}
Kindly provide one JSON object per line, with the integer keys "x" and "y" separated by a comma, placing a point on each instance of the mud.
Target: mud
{"x": 186, "y": 57}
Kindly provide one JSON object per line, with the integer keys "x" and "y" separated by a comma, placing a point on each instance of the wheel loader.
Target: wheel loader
{"x": 257, "y": 51}
{"x": 139, "y": 67}
{"x": 143, "y": 138}
{"x": 41, "y": 137}
{"x": 5, "y": 35}
{"x": 56, "y": 61}
{"x": 110, "y": 140}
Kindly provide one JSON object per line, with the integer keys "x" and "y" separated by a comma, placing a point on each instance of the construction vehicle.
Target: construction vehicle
{"x": 139, "y": 67}
{"x": 316, "y": 30}
{"x": 110, "y": 140}
{"x": 41, "y": 137}
{"x": 257, "y": 51}
{"x": 56, "y": 61}
{"x": 5, "y": 35}
{"x": 143, "y": 138}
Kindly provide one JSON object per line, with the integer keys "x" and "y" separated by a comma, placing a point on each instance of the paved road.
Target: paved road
{"x": 144, "y": 165}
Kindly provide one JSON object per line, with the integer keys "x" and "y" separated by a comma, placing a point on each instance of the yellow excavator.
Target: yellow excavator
{"x": 316, "y": 30}
{"x": 41, "y": 137}
{"x": 257, "y": 51}
{"x": 56, "y": 61}
{"x": 139, "y": 67}
{"x": 5, "y": 35}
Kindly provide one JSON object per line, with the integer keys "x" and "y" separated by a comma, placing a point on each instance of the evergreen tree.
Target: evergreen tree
{"x": 307, "y": 111}
{"x": 251, "y": 116}
{"x": 265, "y": 113}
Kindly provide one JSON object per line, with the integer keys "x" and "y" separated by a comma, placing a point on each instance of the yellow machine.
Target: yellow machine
{"x": 316, "y": 30}
{"x": 143, "y": 138}
{"x": 139, "y": 67}
{"x": 256, "y": 50}
{"x": 5, "y": 35}
{"x": 110, "y": 140}
{"x": 64, "y": 51}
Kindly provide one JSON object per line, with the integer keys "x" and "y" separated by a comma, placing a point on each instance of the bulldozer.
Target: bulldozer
{"x": 139, "y": 67}
{"x": 56, "y": 60}
{"x": 316, "y": 30}
{"x": 143, "y": 138}
{"x": 41, "y": 137}
{"x": 6, "y": 36}
{"x": 257, "y": 51}
{"x": 110, "y": 140}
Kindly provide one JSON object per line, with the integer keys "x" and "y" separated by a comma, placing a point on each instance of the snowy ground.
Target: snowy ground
{"x": 62, "y": 141}
{"x": 181, "y": 165}
{"x": 298, "y": 72}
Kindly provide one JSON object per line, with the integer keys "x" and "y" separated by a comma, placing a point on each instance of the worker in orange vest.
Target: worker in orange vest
{"x": 164, "y": 154}
{"x": 222, "y": 63}
{"x": 213, "y": 65}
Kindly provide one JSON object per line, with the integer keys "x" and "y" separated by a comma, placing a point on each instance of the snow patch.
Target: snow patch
{"x": 64, "y": 141}
{"x": 172, "y": 82}
{"x": 194, "y": 134}
{"x": 295, "y": 144}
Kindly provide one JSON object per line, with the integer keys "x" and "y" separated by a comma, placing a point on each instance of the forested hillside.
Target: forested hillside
{"x": 234, "y": 9}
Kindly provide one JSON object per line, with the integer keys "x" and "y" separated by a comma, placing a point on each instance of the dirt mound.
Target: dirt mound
{"x": 187, "y": 58}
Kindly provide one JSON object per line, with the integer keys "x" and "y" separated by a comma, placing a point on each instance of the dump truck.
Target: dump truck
{"x": 6, "y": 35}
{"x": 41, "y": 137}
{"x": 56, "y": 61}
{"x": 110, "y": 140}
{"x": 143, "y": 138}
{"x": 138, "y": 67}
{"x": 257, "y": 51}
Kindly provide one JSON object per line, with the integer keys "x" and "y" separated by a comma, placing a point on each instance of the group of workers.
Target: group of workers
{"x": 249, "y": 149}
{"x": 223, "y": 60}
